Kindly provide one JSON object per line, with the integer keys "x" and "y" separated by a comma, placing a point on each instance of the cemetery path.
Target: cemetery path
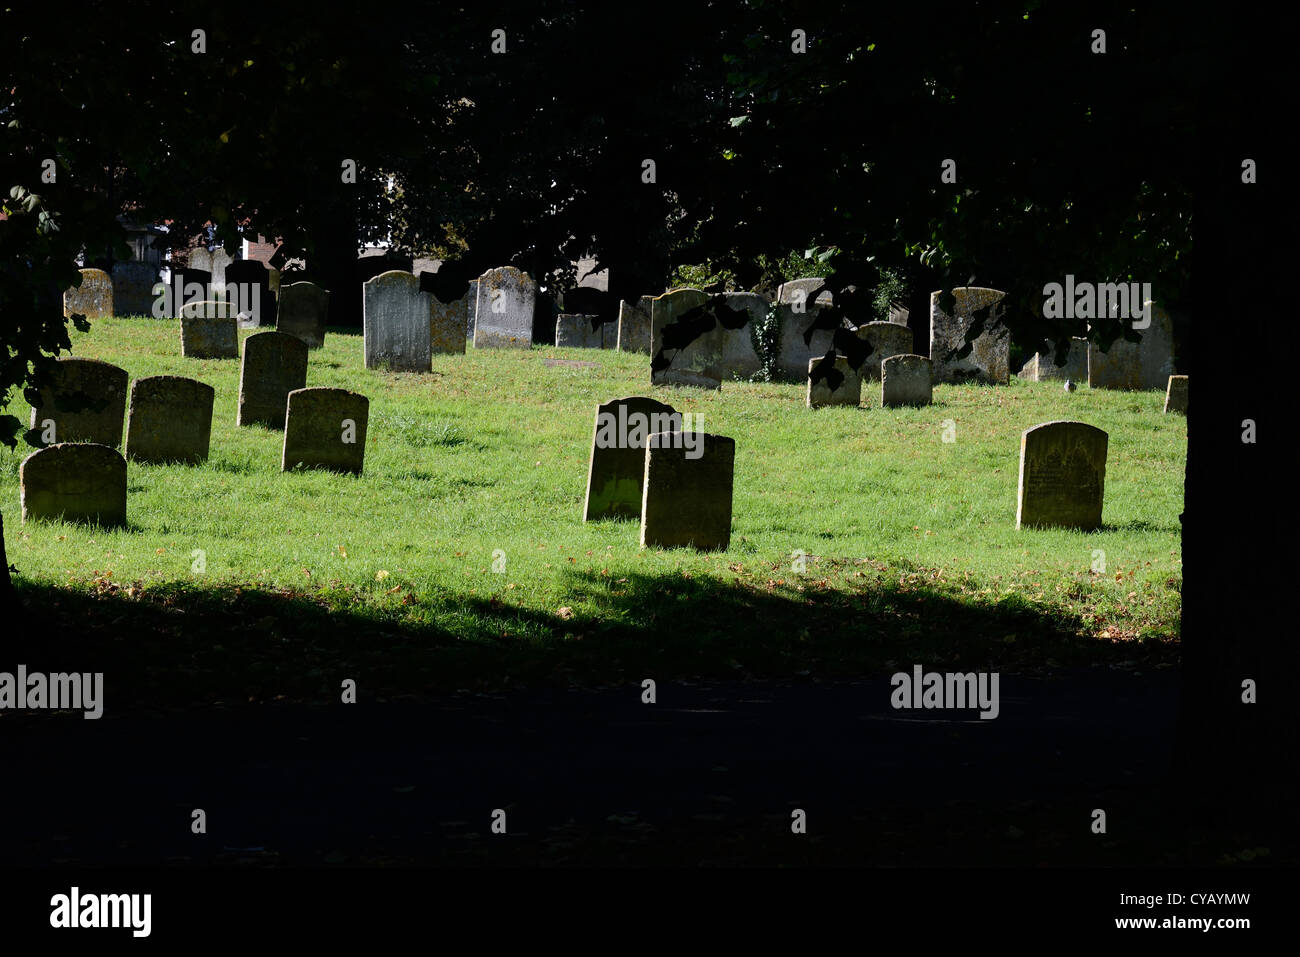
{"x": 709, "y": 773}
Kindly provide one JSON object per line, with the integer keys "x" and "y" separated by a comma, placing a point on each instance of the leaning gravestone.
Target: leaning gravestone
{"x": 170, "y": 420}
{"x": 84, "y": 402}
{"x": 990, "y": 356}
{"x": 616, "y": 469}
{"x": 795, "y": 351}
{"x": 447, "y": 325}
{"x": 93, "y": 298}
{"x": 503, "y": 315}
{"x": 209, "y": 330}
{"x": 1176, "y": 395}
{"x": 302, "y": 312}
{"x": 274, "y": 365}
{"x": 1062, "y": 476}
{"x": 906, "y": 380}
{"x": 634, "y": 325}
{"x": 398, "y": 319}
{"x": 248, "y": 289}
{"x": 1136, "y": 365}
{"x": 687, "y": 496}
{"x": 847, "y": 391}
{"x": 74, "y": 483}
{"x": 133, "y": 284}
{"x": 578, "y": 332}
{"x": 799, "y": 290}
{"x": 1042, "y": 366}
{"x": 325, "y": 429}
{"x": 886, "y": 339}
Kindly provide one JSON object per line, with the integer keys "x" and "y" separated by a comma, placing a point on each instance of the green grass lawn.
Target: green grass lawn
{"x": 911, "y": 541}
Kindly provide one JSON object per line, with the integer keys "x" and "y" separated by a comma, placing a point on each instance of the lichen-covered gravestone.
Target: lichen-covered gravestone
{"x": 398, "y": 319}
{"x": 274, "y": 365}
{"x": 302, "y": 312}
{"x": 723, "y": 348}
{"x": 687, "y": 495}
{"x": 1176, "y": 395}
{"x": 133, "y": 284}
{"x": 326, "y": 429}
{"x": 634, "y": 325}
{"x": 74, "y": 483}
{"x": 93, "y": 298}
{"x": 799, "y": 340}
{"x": 1062, "y": 476}
{"x": 887, "y": 339}
{"x": 616, "y": 468}
{"x": 85, "y": 401}
{"x": 503, "y": 315}
{"x": 447, "y": 325}
{"x": 990, "y": 356}
{"x": 846, "y": 391}
{"x": 250, "y": 288}
{"x": 209, "y": 330}
{"x": 170, "y": 420}
{"x": 906, "y": 380}
{"x": 1136, "y": 365}
{"x": 580, "y": 332}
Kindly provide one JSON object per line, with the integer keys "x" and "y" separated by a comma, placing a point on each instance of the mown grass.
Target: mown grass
{"x": 908, "y": 537}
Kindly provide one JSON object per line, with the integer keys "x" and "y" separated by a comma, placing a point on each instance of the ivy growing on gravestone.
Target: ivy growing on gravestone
{"x": 766, "y": 338}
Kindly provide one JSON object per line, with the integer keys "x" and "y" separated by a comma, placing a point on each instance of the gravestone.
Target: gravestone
{"x": 1176, "y": 395}
{"x": 325, "y": 429}
{"x": 616, "y": 469}
{"x": 471, "y": 309}
{"x": 200, "y": 258}
{"x": 899, "y": 314}
{"x": 209, "y": 330}
{"x": 634, "y": 325}
{"x": 274, "y": 365}
{"x": 800, "y": 290}
{"x": 248, "y": 289}
{"x": 687, "y": 496}
{"x": 887, "y": 339}
{"x": 97, "y": 388}
{"x": 220, "y": 260}
{"x": 692, "y": 365}
{"x": 133, "y": 284}
{"x": 74, "y": 483}
{"x": 506, "y": 299}
{"x": 93, "y": 298}
{"x": 739, "y": 357}
{"x": 302, "y": 312}
{"x": 447, "y": 325}
{"x": 1042, "y": 366}
{"x": 576, "y": 332}
{"x": 1136, "y": 365}
{"x": 793, "y": 352}
{"x": 906, "y": 380}
{"x": 170, "y": 420}
{"x": 1062, "y": 476}
{"x": 398, "y": 323}
{"x": 990, "y": 356}
{"x": 847, "y": 392}
{"x": 188, "y": 286}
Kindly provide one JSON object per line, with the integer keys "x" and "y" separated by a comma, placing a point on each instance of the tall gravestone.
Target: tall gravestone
{"x": 906, "y": 380}
{"x": 274, "y": 365}
{"x": 990, "y": 356}
{"x": 800, "y": 340}
{"x": 739, "y": 358}
{"x": 133, "y": 284}
{"x": 691, "y": 363}
{"x": 302, "y": 311}
{"x": 1176, "y": 395}
{"x": 84, "y": 401}
{"x": 74, "y": 483}
{"x": 1147, "y": 364}
{"x": 93, "y": 298}
{"x": 447, "y": 325}
{"x": 503, "y": 316}
{"x": 687, "y": 496}
{"x": 845, "y": 390}
{"x": 398, "y": 319}
{"x": 325, "y": 429}
{"x": 209, "y": 330}
{"x": 248, "y": 288}
{"x": 616, "y": 469}
{"x": 170, "y": 420}
{"x": 1062, "y": 476}
{"x": 887, "y": 339}
{"x": 634, "y": 325}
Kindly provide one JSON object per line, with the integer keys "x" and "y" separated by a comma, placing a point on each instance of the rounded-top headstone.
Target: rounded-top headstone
{"x": 503, "y": 316}
{"x": 302, "y": 311}
{"x": 616, "y": 469}
{"x": 170, "y": 420}
{"x": 886, "y": 339}
{"x": 325, "y": 429}
{"x": 85, "y": 401}
{"x": 906, "y": 380}
{"x": 93, "y": 298}
{"x": 74, "y": 482}
{"x": 274, "y": 365}
{"x": 397, "y": 323}
{"x": 1062, "y": 476}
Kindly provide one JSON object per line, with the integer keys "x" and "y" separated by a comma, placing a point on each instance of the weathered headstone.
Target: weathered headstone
{"x": 1136, "y": 365}
{"x": 170, "y": 420}
{"x": 1176, "y": 395}
{"x": 274, "y": 365}
{"x": 739, "y": 357}
{"x": 248, "y": 289}
{"x": 577, "y": 332}
{"x": 398, "y": 323}
{"x": 887, "y": 339}
{"x": 1042, "y": 366}
{"x": 220, "y": 260}
{"x": 302, "y": 312}
{"x": 84, "y": 402}
{"x": 800, "y": 290}
{"x": 209, "y": 330}
{"x": 906, "y": 380}
{"x": 74, "y": 483}
{"x": 847, "y": 390}
{"x": 133, "y": 284}
{"x": 616, "y": 468}
{"x": 1062, "y": 476}
{"x": 634, "y": 325}
{"x": 503, "y": 316}
{"x": 447, "y": 325}
{"x": 93, "y": 298}
{"x": 899, "y": 314}
{"x": 325, "y": 429}
{"x": 719, "y": 352}
{"x": 188, "y": 287}
{"x": 794, "y": 351}
{"x": 687, "y": 495}
{"x": 990, "y": 356}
